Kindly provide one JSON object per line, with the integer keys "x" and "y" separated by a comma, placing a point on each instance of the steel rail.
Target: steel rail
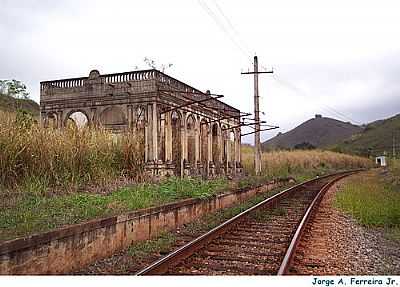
{"x": 162, "y": 265}
{"x": 291, "y": 250}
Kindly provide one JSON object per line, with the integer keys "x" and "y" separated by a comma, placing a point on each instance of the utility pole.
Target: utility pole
{"x": 257, "y": 142}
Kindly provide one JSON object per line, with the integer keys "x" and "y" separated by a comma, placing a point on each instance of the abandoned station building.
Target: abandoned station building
{"x": 184, "y": 131}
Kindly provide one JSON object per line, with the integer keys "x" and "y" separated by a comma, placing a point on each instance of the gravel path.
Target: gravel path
{"x": 335, "y": 244}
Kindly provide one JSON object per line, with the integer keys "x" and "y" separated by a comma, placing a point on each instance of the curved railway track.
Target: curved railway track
{"x": 262, "y": 240}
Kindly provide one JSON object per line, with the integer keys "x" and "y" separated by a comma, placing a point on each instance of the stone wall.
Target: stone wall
{"x": 71, "y": 248}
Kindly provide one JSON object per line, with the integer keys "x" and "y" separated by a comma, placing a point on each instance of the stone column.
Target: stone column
{"x": 197, "y": 129}
{"x": 44, "y": 120}
{"x": 154, "y": 132}
{"x": 147, "y": 154}
{"x": 228, "y": 148}
{"x": 161, "y": 143}
{"x": 234, "y": 151}
{"x": 237, "y": 145}
{"x": 168, "y": 137}
{"x": 93, "y": 117}
{"x": 130, "y": 117}
{"x": 220, "y": 149}
{"x": 209, "y": 154}
{"x": 60, "y": 120}
{"x": 183, "y": 136}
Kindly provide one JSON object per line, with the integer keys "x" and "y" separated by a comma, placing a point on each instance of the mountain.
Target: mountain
{"x": 375, "y": 139}
{"x": 11, "y": 104}
{"x": 317, "y": 132}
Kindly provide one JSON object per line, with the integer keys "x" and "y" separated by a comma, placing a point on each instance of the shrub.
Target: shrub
{"x": 285, "y": 163}
{"x": 64, "y": 158}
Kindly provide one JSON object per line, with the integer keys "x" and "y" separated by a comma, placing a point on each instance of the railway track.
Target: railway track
{"x": 259, "y": 241}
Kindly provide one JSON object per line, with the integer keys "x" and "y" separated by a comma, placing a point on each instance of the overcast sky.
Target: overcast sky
{"x": 336, "y": 58}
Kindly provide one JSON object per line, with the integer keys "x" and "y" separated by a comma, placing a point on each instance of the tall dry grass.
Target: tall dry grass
{"x": 30, "y": 154}
{"x": 284, "y": 163}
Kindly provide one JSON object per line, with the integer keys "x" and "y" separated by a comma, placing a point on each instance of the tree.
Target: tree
{"x": 304, "y": 146}
{"x": 152, "y": 64}
{"x": 13, "y": 88}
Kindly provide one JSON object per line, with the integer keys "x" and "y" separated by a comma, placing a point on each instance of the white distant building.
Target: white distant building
{"x": 380, "y": 160}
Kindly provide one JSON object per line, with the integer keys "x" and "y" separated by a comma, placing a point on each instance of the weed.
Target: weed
{"x": 36, "y": 159}
{"x": 280, "y": 211}
{"x": 160, "y": 244}
{"x": 34, "y": 212}
{"x": 371, "y": 201}
{"x": 301, "y": 164}
{"x": 261, "y": 215}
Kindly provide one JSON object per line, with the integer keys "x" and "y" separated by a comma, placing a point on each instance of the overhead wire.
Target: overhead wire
{"x": 235, "y": 31}
{"x": 243, "y": 48}
{"x": 332, "y": 110}
{"x": 221, "y": 25}
{"x": 233, "y": 37}
{"x": 325, "y": 107}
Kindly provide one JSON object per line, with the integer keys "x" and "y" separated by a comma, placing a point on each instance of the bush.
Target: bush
{"x": 63, "y": 158}
{"x": 286, "y": 163}
{"x": 371, "y": 201}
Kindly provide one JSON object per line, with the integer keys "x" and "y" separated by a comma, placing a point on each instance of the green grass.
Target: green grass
{"x": 158, "y": 245}
{"x": 37, "y": 213}
{"x": 373, "y": 202}
{"x": 252, "y": 181}
{"x": 301, "y": 164}
{"x": 376, "y": 136}
{"x": 166, "y": 240}
{"x": 394, "y": 173}
{"x": 212, "y": 220}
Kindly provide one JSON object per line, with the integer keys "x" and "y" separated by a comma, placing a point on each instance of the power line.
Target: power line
{"x": 238, "y": 37}
{"x": 237, "y": 41}
{"x": 332, "y": 110}
{"x": 216, "y": 19}
{"x": 324, "y": 107}
{"x": 257, "y": 139}
{"x": 235, "y": 31}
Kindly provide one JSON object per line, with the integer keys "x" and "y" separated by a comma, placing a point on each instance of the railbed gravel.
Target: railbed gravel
{"x": 335, "y": 244}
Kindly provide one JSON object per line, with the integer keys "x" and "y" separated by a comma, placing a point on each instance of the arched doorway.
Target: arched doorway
{"x": 161, "y": 137}
{"x": 191, "y": 140}
{"x": 52, "y": 120}
{"x": 204, "y": 143}
{"x": 224, "y": 133}
{"x": 113, "y": 118}
{"x": 215, "y": 146}
{"x": 140, "y": 123}
{"x": 176, "y": 141}
{"x": 232, "y": 147}
{"x": 76, "y": 119}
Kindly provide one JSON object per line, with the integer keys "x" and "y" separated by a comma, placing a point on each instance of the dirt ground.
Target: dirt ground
{"x": 335, "y": 244}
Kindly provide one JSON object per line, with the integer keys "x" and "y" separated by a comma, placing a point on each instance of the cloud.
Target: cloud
{"x": 327, "y": 57}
